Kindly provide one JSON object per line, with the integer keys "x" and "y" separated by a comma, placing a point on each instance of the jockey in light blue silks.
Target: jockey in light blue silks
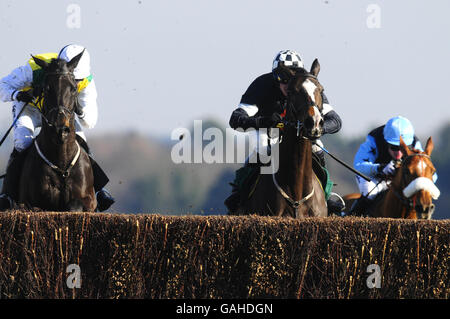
{"x": 376, "y": 158}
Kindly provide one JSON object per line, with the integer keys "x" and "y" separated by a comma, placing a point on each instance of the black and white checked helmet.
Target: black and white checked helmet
{"x": 288, "y": 58}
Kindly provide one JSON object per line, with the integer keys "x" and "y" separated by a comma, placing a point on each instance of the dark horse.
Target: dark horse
{"x": 411, "y": 191}
{"x": 57, "y": 173}
{"x": 294, "y": 190}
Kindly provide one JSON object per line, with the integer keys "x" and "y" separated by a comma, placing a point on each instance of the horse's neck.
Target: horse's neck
{"x": 393, "y": 207}
{"x": 59, "y": 154}
{"x": 295, "y": 170}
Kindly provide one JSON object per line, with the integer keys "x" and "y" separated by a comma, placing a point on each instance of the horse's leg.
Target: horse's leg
{"x": 318, "y": 205}
{"x": 75, "y": 206}
{"x": 264, "y": 200}
{"x": 349, "y": 200}
{"x": 86, "y": 204}
{"x": 388, "y": 207}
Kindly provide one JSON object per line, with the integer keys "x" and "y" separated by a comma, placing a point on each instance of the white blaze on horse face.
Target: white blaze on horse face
{"x": 317, "y": 117}
{"x": 310, "y": 88}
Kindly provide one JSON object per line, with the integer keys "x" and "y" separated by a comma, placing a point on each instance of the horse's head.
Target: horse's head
{"x": 415, "y": 179}
{"x": 305, "y": 103}
{"x": 60, "y": 95}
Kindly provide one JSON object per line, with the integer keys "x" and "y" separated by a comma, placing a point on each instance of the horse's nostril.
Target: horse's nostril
{"x": 66, "y": 130}
{"x": 309, "y": 123}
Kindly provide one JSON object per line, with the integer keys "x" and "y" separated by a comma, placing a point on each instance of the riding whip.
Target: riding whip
{"x": 344, "y": 164}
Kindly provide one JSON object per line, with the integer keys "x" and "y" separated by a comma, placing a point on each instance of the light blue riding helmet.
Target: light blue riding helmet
{"x": 396, "y": 127}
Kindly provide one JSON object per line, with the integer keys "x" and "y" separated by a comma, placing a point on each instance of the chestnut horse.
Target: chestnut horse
{"x": 294, "y": 190}
{"x": 57, "y": 173}
{"x": 411, "y": 190}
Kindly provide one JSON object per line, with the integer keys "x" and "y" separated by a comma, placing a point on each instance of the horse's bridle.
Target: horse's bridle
{"x": 65, "y": 110}
{"x": 298, "y": 125}
{"x": 410, "y": 202}
{"x": 63, "y": 172}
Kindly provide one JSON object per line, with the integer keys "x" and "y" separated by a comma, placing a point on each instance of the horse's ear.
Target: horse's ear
{"x": 429, "y": 147}
{"x": 72, "y": 64}
{"x": 43, "y": 64}
{"x": 315, "y": 67}
{"x": 404, "y": 148}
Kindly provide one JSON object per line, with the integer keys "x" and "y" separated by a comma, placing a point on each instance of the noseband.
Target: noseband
{"x": 410, "y": 202}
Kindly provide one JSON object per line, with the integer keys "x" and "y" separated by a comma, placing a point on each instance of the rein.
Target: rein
{"x": 297, "y": 125}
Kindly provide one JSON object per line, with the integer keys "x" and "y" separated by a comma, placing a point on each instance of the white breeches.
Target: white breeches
{"x": 259, "y": 143}
{"x": 371, "y": 189}
{"x": 28, "y": 123}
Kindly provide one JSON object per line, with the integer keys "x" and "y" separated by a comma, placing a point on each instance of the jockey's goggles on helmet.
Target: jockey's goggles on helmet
{"x": 394, "y": 148}
{"x": 281, "y": 76}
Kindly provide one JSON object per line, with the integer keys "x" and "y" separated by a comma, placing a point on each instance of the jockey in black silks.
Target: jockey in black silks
{"x": 262, "y": 106}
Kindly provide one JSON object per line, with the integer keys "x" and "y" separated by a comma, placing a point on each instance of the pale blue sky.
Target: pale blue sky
{"x": 159, "y": 65}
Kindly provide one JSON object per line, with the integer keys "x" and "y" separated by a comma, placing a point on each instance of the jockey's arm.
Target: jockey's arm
{"x": 243, "y": 117}
{"x": 366, "y": 156}
{"x": 332, "y": 122}
{"x": 11, "y": 84}
{"x": 87, "y": 99}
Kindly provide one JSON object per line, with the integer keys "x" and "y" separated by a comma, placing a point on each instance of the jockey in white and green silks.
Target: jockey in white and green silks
{"x": 17, "y": 87}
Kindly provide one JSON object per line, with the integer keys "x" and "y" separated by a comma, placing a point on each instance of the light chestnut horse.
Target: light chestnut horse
{"x": 412, "y": 189}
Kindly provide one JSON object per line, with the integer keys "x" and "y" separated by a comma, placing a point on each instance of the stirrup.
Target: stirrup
{"x": 342, "y": 208}
{"x": 340, "y": 198}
